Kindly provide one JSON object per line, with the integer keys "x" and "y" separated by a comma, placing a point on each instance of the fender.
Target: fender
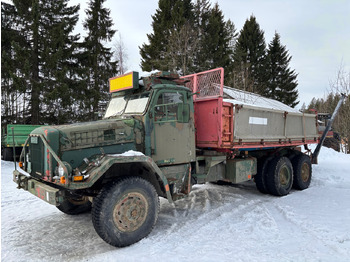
{"x": 102, "y": 163}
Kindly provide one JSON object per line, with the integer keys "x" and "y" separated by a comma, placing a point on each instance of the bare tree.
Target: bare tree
{"x": 341, "y": 85}
{"x": 120, "y": 53}
{"x": 182, "y": 46}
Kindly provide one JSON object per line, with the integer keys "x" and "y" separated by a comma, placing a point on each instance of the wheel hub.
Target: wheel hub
{"x": 130, "y": 212}
{"x": 284, "y": 176}
{"x": 305, "y": 172}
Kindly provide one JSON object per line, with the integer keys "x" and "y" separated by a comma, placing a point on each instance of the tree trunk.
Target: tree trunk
{"x": 35, "y": 110}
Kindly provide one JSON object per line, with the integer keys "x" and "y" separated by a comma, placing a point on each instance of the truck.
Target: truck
{"x": 13, "y": 137}
{"x": 160, "y": 135}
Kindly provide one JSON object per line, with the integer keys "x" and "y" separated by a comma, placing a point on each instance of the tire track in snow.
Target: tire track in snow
{"x": 306, "y": 228}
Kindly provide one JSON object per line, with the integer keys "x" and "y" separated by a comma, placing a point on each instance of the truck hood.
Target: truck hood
{"x": 100, "y": 134}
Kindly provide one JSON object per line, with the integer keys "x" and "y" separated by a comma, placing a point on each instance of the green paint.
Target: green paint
{"x": 241, "y": 170}
{"x": 166, "y": 140}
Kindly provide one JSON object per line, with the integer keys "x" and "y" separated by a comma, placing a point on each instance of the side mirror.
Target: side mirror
{"x": 192, "y": 94}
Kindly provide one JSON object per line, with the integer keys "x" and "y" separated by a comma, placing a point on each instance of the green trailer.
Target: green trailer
{"x": 14, "y": 139}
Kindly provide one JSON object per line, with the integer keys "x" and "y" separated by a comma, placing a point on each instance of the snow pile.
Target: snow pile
{"x": 214, "y": 223}
{"x": 247, "y": 98}
{"x": 129, "y": 153}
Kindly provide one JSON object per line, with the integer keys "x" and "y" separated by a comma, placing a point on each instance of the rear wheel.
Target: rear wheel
{"x": 125, "y": 212}
{"x": 75, "y": 206}
{"x": 302, "y": 172}
{"x": 280, "y": 176}
{"x": 8, "y": 154}
{"x": 260, "y": 177}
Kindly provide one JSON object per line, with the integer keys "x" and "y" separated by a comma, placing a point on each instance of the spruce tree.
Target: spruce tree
{"x": 202, "y": 11}
{"x": 170, "y": 17}
{"x": 97, "y": 58}
{"x": 45, "y": 51}
{"x": 12, "y": 87}
{"x": 250, "y": 58}
{"x": 282, "y": 83}
{"x": 216, "y": 40}
{"x": 188, "y": 38}
{"x": 59, "y": 71}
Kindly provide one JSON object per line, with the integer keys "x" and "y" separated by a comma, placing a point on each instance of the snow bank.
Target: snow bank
{"x": 214, "y": 223}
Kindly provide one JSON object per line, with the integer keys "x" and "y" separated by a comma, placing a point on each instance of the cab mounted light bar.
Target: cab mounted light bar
{"x": 124, "y": 82}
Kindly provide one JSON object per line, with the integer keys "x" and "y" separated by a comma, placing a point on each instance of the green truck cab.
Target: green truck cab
{"x": 159, "y": 136}
{"x": 71, "y": 166}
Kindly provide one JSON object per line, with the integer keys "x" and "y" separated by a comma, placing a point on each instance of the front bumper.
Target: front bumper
{"x": 43, "y": 191}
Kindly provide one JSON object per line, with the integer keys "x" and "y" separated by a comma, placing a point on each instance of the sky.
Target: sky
{"x": 316, "y": 33}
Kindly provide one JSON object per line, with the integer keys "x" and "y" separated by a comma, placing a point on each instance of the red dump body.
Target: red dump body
{"x": 224, "y": 125}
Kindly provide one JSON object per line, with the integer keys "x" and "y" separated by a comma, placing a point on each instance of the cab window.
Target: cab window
{"x": 167, "y": 106}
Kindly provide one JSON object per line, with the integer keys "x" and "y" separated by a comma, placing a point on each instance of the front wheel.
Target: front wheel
{"x": 125, "y": 212}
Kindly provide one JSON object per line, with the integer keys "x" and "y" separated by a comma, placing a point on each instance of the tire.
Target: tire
{"x": 260, "y": 177}
{"x": 302, "y": 172}
{"x": 125, "y": 212}
{"x": 280, "y": 176}
{"x": 71, "y": 206}
{"x": 8, "y": 154}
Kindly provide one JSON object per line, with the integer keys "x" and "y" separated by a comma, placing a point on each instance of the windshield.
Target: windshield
{"x": 135, "y": 104}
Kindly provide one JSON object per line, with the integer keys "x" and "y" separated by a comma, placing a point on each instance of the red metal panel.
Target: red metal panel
{"x": 208, "y": 104}
{"x": 214, "y": 118}
{"x": 207, "y": 122}
{"x": 227, "y": 125}
{"x": 208, "y": 84}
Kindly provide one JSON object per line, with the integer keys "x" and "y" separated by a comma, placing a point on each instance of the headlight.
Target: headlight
{"x": 61, "y": 171}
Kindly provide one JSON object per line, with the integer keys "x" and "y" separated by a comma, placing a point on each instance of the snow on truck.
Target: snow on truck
{"x": 160, "y": 135}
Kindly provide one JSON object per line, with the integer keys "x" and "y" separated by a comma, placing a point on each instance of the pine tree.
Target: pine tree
{"x": 282, "y": 83}
{"x": 97, "y": 58}
{"x": 250, "y": 58}
{"x": 169, "y": 18}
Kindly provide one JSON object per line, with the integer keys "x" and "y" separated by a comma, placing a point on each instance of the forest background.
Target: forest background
{"x": 50, "y": 75}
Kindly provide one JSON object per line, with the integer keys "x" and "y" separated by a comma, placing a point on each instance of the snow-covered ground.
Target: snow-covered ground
{"x": 214, "y": 223}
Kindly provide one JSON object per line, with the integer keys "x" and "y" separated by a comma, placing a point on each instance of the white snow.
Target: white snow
{"x": 129, "y": 153}
{"x": 247, "y": 98}
{"x": 214, "y": 223}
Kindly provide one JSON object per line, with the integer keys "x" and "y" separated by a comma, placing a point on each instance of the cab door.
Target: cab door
{"x": 173, "y": 134}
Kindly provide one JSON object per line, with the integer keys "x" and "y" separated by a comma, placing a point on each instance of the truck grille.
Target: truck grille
{"x": 37, "y": 155}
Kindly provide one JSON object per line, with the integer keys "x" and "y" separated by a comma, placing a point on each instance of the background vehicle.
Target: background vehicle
{"x": 159, "y": 137}
{"x": 8, "y": 142}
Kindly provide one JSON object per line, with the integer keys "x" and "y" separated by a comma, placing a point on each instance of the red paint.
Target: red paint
{"x": 40, "y": 193}
{"x": 214, "y": 118}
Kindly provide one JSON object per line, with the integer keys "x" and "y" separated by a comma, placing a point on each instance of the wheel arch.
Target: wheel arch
{"x": 115, "y": 168}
